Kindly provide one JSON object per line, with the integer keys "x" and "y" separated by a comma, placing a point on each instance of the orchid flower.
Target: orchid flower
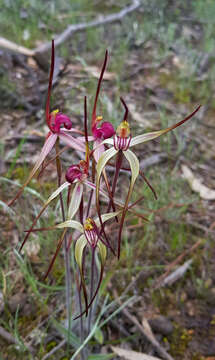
{"x": 122, "y": 142}
{"x": 91, "y": 237}
{"x": 54, "y": 120}
{"x": 106, "y": 130}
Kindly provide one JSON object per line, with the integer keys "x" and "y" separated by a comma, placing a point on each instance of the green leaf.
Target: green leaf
{"x": 101, "y": 357}
{"x": 72, "y": 338}
{"x": 99, "y": 336}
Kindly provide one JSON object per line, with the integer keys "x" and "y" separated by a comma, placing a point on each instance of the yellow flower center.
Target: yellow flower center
{"x": 54, "y": 112}
{"x": 123, "y": 129}
{"x": 99, "y": 118}
{"x": 88, "y": 224}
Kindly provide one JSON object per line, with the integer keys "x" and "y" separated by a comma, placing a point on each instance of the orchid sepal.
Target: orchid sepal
{"x": 152, "y": 135}
{"x": 75, "y": 200}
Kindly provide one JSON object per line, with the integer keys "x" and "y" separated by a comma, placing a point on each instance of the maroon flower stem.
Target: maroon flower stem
{"x": 91, "y": 288}
{"x": 98, "y": 89}
{"x": 81, "y": 211}
{"x": 148, "y": 183}
{"x": 116, "y": 175}
{"x": 143, "y": 176}
{"x": 109, "y": 192}
{"x": 94, "y": 296}
{"x": 50, "y": 84}
{"x": 66, "y": 252}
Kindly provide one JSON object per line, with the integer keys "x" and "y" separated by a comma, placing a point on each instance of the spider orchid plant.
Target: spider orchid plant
{"x": 60, "y": 127}
{"x": 122, "y": 142}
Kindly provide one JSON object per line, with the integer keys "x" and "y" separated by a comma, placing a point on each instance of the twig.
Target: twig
{"x": 16, "y": 48}
{"x": 177, "y": 274}
{"x": 39, "y": 52}
{"x": 82, "y": 26}
{"x": 9, "y": 338}
{"x": 145, "y": 329}
{"x": 161, "y": 279}
{"x": 52, "y": 351}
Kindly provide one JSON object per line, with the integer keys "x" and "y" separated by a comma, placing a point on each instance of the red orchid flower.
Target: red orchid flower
{"x": 55, "y": 120}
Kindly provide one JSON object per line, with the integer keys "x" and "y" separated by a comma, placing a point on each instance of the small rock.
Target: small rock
{"x": 161, "y": 325}
{"x": 17, "y": 300}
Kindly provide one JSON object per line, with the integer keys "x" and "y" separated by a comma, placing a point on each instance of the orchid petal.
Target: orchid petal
{"x": 74, "y": 130}
{"x": 152, "y": 135}
{"x": 135, "y": 168}
{"x": 82, "y": 138}
{"x": 106, "y": 156}
{"x": 108, "y": 141}
{"x": 79, "y": 249}
{"x": 146, "y": 137}
{"x": 57, "y": 192}
{"x": 70, "y": 224}
{"x": 98, "y": 148}
{"x": 102, "y": 252}
{"x": 47, "y": 147}
{"x": 134, "y": 164}
{"x": 75, "y": 200}
{"x": 106, "y": 217}
{"x": 71, "y": 141}
{"x": 53, "y": 196}
{"x": 60, "y": 242}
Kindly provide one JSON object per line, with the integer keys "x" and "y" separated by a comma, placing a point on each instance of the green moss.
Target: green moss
{"x": 179, "y": 341}
{"x": 50, "y": 345}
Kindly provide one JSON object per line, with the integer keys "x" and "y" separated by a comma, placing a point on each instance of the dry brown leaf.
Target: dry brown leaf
{"x": 32, "y": 249}
{"x": 92, "y": 70}
{"x": 196, "y": 184}
{"x": 132, "y": 355}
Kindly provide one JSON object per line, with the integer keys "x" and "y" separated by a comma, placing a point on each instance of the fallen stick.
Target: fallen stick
{"x": 159, "y": 282}
{"x": 11, "y": 339}
{"x": 39, "y": 52}
{"x": 145, "y": 329}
